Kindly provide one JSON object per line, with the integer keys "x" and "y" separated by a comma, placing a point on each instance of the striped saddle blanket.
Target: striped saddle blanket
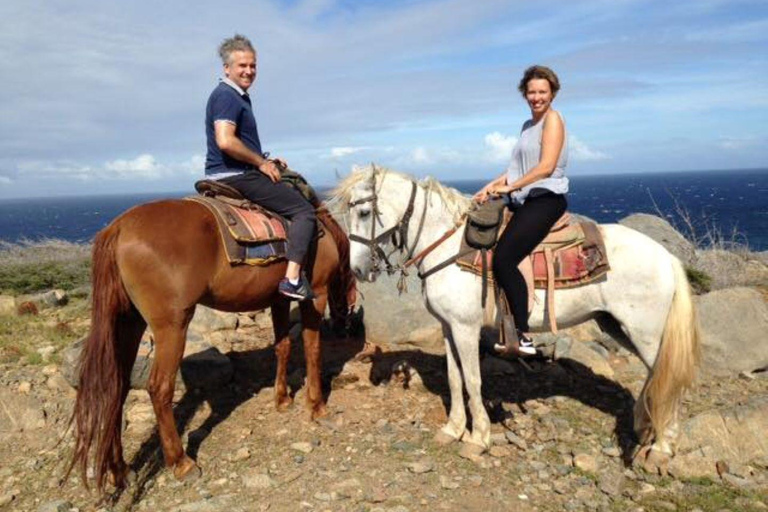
{"x": 251, "y": 234}
{"x": 573, "y": 254}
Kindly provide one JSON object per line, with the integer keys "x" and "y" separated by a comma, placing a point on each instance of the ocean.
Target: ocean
{"x": 732, "y": 204}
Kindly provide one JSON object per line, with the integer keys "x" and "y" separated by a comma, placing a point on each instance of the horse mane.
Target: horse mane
{"x": 453, "y": 200}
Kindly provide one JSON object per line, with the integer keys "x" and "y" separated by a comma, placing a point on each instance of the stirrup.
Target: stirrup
{"x": 512, "y": 342}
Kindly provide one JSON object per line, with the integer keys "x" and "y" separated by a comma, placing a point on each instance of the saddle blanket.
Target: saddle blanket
{"x": 569, "y": 257}
{"x": 251, "y": 234}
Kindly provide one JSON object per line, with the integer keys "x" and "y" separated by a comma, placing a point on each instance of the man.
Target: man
{"x": 235, "y": 157}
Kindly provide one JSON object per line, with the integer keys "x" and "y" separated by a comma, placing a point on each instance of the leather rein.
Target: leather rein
{"x": 399, "y": 238}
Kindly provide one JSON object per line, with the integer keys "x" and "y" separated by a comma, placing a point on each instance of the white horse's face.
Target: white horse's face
{"x": 363, "y": 218}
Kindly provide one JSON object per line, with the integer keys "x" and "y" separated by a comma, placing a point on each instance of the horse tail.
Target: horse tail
{"x": 343, "y": 288}
{"x": 677, "y": 361}
{"x": 105, "y": 368}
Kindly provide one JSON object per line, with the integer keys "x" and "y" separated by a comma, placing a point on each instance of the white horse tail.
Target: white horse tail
{"x": 677, "y": 361}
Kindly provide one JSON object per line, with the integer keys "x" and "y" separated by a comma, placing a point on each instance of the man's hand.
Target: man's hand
{"x": 269, "y": 168}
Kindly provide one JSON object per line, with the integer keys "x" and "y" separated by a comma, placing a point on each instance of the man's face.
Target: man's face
{"x": 241, "y": 68}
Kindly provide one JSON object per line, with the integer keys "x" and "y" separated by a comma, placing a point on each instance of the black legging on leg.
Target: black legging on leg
{"x": 529, "y": 226}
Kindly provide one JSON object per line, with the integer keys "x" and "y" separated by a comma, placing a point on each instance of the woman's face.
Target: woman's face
{"x": 539, "y": 95}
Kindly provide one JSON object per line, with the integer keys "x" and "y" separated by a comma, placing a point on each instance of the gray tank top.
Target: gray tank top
{"x": 526, "y": 155}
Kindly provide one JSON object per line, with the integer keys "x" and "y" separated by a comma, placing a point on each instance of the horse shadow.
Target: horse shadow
{"x": 253, "y": 371}
{"x": 508, "y": 385}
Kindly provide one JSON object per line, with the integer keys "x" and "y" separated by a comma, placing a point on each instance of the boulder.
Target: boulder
{"x": 592, "y": 357}
{"x": 733, "y": 324}
{"x": 209, "y": 320}
{"x": 7, "y": 305}
{"x": 203, "y": 366}
{"x": 728, "y": 269}
{"x": 662, "y": 231}
{"x": 20, "y": 412}
{"x": 733, "y": 435}
{"x": 391, "y": 318}
{"x": 49, "y": 299}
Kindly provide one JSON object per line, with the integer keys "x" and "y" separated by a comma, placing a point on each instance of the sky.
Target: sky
{"x": 109, "y": 97}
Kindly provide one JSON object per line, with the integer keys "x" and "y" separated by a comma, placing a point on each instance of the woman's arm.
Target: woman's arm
{"x": 482, "y": 195}
{"x": 552, "y": 139}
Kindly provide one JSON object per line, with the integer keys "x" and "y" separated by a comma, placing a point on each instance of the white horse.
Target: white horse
{"x": 646, "y": 291}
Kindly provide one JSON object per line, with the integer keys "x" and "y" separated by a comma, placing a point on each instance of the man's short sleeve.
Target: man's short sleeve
{"x": 224, "y": 108}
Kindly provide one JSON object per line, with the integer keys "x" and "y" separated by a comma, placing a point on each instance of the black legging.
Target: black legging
{"x": 529, "y": 225}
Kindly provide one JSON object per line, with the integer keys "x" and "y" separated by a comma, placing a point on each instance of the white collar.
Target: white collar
{"x": 233, "y": 85}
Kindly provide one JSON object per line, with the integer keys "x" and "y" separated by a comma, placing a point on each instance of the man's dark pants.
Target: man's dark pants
{"x": 283, "y": 200}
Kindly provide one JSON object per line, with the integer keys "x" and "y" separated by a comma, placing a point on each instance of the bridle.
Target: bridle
{"x": 398, "y": 233}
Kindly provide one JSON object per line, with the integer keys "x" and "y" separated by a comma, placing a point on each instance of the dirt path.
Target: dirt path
{"x": 561, "y": 437}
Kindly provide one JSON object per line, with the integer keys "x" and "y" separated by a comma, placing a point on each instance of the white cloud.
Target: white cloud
{"x": 499, "y": 147}
{"x": 732, "y": 143}
{"x": 341, "y": 152}
{"x": 420, "y": 155}
{"x": 580, "y": 152}
{"x": 143, "y": 166}
{"x": 6, "y": 180}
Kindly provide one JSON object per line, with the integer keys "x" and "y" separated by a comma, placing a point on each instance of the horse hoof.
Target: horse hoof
{"x": 319, "y": 411}
{"x": 443, "y": 439}
{"x": 186, "y": 470}
{"x": 652, "y": 461}
{"x": 283, "y": 404}
{"x": 471, "y": 451}
{"x": 128, "y": 478}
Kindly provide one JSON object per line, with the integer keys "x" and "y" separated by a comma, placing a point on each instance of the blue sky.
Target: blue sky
{"x": 108, "y": 97}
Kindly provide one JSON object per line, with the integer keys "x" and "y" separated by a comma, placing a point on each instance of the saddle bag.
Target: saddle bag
{"x": 483, "y": 224}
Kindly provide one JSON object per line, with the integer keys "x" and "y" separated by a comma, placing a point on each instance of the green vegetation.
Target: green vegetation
{"x": 701, "y": 282}
{"x": 29, "y": 267}
{"x": 22, "y": 336}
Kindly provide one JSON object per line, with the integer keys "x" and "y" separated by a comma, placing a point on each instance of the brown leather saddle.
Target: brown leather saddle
{"x": 251, "y": 234}
{"x": 573, "y": 254}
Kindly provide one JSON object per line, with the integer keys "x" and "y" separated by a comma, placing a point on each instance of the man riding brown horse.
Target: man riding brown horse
{"x": 235, "y": 158}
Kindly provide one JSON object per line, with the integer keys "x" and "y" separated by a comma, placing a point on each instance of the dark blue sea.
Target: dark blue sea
{"x": 732, "y": 203}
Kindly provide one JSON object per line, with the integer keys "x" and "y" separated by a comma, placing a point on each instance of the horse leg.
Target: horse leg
{"x": 169, "y": 349}
{"x": 466, "y": 340}
{"x": 129, "y": 329}
{"x": 311, "y": 318}
{"x": 457, "y": 418}
{"x": 280, "y": 324}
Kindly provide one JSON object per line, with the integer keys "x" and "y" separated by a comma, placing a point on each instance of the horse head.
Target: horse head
{"x": 378, "y": 204}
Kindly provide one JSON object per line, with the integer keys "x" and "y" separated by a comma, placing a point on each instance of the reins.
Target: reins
{"x": 401, "y": 228}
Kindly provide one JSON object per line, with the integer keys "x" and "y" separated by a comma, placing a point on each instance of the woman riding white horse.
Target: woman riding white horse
{"x": 646, "y": 291}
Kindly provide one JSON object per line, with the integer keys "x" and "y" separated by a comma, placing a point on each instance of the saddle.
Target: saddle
{"x": 573, "y": 254}
{"x": 251, "y": 234}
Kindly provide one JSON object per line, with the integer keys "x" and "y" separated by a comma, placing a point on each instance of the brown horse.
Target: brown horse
{"x": 152, "y": 266}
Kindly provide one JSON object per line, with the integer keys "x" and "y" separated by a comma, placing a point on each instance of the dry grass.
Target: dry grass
{"x": 28, "y": 267}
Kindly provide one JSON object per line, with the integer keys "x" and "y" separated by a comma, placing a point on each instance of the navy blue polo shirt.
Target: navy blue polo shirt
{"x": 227, "y": 104}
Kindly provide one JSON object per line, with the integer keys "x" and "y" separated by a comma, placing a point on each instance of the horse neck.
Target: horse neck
{"x": 438, "y": 219}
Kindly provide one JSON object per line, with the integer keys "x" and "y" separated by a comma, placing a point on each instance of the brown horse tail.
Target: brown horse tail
{"x": 104, "y": 376}
{"x": 343, "y": 289}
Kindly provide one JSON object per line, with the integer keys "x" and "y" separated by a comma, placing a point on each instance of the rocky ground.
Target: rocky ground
{"x": 561, "y": 431}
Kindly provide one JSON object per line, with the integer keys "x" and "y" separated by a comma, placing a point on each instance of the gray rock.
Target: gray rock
{"x": 421, "y": 466}
{"x": 585, "y": 462}
{"x": 302, "y": 447}
{"x": 203, "y": 365}
{"x": 730, "y": 344}
{"x": 394, "y": 319}
{"x": 728, "y": 269}
{"x": 20, "y": 412}
{"x": 209, "y": 320}
{"x": 585, "y": 355}
{"x": 611, "y": 483}
{"x": 662, "y": 232}
{"x": 257, "y": 479}
{"x": 735, "y": 435}
{"x": 55, "y": 506}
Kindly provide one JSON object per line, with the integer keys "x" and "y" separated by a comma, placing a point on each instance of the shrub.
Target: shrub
{"x": 29, "y": 267}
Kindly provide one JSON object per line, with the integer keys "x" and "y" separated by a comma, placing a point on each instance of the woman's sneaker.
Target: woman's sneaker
{"x": 525, "y": 344}
{"x": 300, "y": 291}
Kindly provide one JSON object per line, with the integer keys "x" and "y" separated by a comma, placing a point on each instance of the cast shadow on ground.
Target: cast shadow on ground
{"x": 254, "y": 370}
{"x": 517, "y": 384}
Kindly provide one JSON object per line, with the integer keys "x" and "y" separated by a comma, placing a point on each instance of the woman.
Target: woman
{"x": 535, "y": 185}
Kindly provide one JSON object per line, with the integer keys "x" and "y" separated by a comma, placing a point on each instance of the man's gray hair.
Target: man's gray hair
{"x": 238, "y": 43}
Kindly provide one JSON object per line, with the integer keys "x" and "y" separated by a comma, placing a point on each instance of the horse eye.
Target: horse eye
{"x": 364, "y": 213}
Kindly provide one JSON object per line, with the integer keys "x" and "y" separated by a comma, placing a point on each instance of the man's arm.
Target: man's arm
{"x": 228, "y": 142}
